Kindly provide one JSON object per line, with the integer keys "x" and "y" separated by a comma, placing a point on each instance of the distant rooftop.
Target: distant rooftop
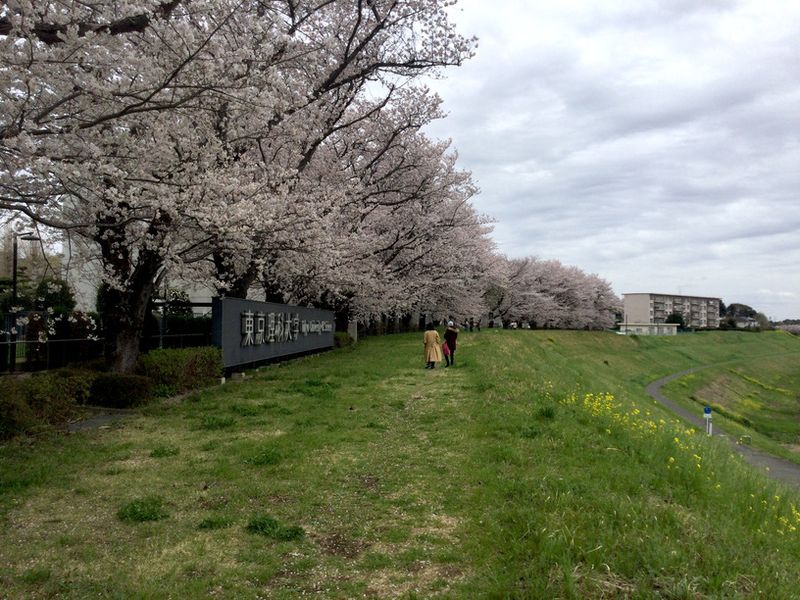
{"x": 666, "y": 294}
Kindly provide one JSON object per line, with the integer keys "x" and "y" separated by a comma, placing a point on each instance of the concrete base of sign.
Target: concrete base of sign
{"x": 222, "y": 381}
{"x": 352, "y": 330}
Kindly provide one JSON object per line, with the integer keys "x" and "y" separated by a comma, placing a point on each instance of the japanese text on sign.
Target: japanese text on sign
{"x": 267, "y": 328}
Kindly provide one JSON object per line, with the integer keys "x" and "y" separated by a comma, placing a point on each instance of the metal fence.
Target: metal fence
{"x": 25, "y": 345}
{"x": 177, "y": 340}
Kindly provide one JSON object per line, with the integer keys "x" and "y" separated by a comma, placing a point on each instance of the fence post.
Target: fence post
{"x": 352, "y": 330}
{"x": 47, "y": 341}
{"x": 12, "y": 347}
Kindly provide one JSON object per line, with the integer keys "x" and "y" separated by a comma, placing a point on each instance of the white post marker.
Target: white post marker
{"x": 707, "y": 417}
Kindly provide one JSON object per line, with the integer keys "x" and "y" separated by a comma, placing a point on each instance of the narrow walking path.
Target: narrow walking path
{"x": 98, "y": 417}
{"x": 777, "y": 468}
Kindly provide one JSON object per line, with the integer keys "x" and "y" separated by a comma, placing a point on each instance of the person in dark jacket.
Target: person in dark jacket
{"x": 450, "y": 337}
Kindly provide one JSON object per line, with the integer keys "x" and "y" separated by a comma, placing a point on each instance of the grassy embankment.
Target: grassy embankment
{"x": 758, "y": 397}
{"x": 536, "y": 468}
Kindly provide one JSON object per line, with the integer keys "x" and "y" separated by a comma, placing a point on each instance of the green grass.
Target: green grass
{"x": 753, "y": 396}
{"x": 535, "y": 468}
{"x": 269, "y": 527}
{"x": 164, "y": 451}
{"x": 215, "y": 522}
{"x": 143, "y": 509}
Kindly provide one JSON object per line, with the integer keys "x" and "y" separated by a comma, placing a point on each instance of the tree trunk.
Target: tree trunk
{"x": 125, "y": 321}
{"x": 342, "y": 318}
{"x": 236, "y": 285}
{"x": 125, "y": 310}
{"x": 126, "y": 352}
{"x": 242, "y": 284}
{"x": 272, "y": 292}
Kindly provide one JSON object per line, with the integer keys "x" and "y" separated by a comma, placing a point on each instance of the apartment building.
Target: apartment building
{"x": 697, "y": 311}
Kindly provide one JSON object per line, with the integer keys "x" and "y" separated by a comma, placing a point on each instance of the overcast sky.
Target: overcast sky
{"x": 655, "y": 143}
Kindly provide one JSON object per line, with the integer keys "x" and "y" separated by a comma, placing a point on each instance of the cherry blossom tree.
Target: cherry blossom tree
{"x": 271, "y": 142}
{"x": 550, "y": 294}
{"x": 406, "y": 237}
{"x": 167, "y": 132}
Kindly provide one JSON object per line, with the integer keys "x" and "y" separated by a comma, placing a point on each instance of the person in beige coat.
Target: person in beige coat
{"x": 433, "y": 347}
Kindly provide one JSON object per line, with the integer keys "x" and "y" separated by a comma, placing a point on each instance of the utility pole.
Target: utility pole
{"x": 29, "y": 236}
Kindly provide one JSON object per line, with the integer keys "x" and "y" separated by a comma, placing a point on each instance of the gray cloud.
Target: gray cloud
{"x": 654, "y": 143}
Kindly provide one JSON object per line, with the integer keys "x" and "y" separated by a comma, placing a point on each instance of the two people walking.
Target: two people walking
{"x": 434, "y": 350}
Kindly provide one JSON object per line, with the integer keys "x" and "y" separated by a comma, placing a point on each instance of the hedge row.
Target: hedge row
{"x": 43, "y": 400}
{"x": 173, "y": 371}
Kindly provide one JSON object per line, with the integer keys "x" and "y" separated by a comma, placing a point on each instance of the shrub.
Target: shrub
{"x": 341, "y": 339}
{"x": 16, "y": 417}
{"x": 42, "y": 400}
{"x": 182, "y": 369}
{"x": 75, "y": 383}
{"x": 116, "y": 390}
{"x": 143, "y": 509}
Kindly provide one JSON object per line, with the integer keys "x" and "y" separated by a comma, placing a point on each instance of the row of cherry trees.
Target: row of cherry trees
{"x": 253, "y": 143}
{"x": 546, "y": 293}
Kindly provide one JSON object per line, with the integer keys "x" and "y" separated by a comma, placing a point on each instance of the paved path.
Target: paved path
{"x": 99, "y": 417}
{"x": 777, "y": 468}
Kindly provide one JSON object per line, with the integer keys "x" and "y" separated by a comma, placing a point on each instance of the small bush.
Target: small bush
{"x": 174, "y": 371}
{"x": 75, "y": 383}
{"x": 342, "y": 340}
{"x": 143, "y": 509}
{"x": 34, "y": 403}
{"x": 115, "y": 390}
{"x": 269, "y": 527}
{"x": 16, "y": 416}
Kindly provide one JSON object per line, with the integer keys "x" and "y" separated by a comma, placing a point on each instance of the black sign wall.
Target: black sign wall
{"x": 248, "y": 331}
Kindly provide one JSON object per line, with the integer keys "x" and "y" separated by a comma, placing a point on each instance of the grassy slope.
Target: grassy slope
{"x": 757, "y": 397}
{"x": 497, "y": 478}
